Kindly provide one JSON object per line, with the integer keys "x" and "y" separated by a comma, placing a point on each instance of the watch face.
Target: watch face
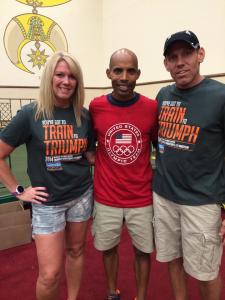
{"x": 20, "y": 189}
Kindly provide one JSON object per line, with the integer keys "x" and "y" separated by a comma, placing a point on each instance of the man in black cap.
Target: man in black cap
{"x": 189, "y": 179}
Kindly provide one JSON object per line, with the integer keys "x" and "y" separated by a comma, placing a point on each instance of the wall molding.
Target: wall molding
{"x": 109, "y": 87}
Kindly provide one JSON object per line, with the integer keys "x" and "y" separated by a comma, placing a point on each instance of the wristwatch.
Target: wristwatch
{"x": 19, "y": 190}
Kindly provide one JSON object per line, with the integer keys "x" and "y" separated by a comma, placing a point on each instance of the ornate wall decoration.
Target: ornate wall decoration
{"x": 29, "y": 39}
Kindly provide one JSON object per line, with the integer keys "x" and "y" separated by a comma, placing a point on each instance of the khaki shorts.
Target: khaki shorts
{"x": 108, "y": 223}
{"x": 191, "y": 232}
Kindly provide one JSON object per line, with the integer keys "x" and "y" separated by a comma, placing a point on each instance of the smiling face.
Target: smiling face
{"x": 123, "y": 72}
{"x": 183, "y": 63}
{"x": 63, "y": 84}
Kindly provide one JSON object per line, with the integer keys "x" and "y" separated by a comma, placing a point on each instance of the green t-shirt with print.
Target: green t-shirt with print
{"x": 55, "y": 150}
{"x": 191, "y": 144}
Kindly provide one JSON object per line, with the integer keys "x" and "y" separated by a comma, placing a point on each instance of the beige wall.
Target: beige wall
{"x": 96, "y": 28}
{"x": 143, "y": 25}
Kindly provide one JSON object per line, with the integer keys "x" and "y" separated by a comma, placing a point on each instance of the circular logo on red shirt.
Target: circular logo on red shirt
{"x": 123, "y": 143}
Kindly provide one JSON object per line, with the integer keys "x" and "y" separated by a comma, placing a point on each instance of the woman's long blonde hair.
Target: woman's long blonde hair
{"x": 45, "y": 105}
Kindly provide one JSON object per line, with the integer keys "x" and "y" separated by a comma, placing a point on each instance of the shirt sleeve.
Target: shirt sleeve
{"x": 17, "y": 132}
{"x": 91, "y": 112}
{"x": 154, "y": 132}
{"x": 90, "y": 134}
{"x": 91, "y": 137}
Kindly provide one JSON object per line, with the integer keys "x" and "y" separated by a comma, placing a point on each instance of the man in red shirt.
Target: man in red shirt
{"x": 125, "y": 123}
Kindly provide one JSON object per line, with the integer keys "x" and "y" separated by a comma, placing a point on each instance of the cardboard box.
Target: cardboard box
{"x": 15, "y": 225}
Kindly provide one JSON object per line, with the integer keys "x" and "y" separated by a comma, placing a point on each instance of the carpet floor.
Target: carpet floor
{"x": 18, "y": 273}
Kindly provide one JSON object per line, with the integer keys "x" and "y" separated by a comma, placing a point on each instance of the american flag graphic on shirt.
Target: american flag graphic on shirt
{"x": 123, "y": 138}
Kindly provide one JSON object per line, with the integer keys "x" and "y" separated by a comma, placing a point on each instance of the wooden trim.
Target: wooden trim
{"x": 171, "y": 80}
{"x": 109, "y": 87}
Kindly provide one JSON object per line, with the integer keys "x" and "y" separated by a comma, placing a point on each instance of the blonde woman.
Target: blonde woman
{"x": 58, "y": 135}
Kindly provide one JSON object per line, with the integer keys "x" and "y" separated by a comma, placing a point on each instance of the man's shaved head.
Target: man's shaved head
{"x": 121, "y": 53}
{"x": 123, "y": 72}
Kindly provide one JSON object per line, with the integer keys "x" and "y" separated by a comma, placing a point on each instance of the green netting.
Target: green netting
{"x": 18, "y": 163}
{"x": 7, "y": 198}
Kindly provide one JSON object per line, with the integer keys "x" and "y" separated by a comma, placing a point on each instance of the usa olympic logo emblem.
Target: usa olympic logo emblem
{"x": 123, "y": 143}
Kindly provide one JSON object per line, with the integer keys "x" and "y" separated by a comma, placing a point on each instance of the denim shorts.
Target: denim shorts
{"x": 49, "y": 219}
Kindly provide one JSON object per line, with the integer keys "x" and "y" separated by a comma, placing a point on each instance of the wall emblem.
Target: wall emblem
{"x": 29, "y": 39}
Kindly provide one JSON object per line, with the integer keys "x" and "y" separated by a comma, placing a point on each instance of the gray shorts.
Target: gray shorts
{"x": 191, "y": 232}
{"x": 49, "y": 219}
{"x": 108, "y": 223}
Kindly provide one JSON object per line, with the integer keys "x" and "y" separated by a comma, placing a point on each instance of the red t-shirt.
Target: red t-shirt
{"x": 122, "y": 172}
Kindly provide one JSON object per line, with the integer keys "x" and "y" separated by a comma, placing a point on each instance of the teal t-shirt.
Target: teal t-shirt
{"x": 55, "y": 151}
{"x": 191, "y": 144}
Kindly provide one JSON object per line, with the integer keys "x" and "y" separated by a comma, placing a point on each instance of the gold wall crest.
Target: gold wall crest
{"x": 29, "y": 39}
{"x": 43, "y": 3}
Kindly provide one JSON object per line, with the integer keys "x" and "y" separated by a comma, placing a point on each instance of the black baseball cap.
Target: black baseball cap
{"x": 186, "y": 36}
